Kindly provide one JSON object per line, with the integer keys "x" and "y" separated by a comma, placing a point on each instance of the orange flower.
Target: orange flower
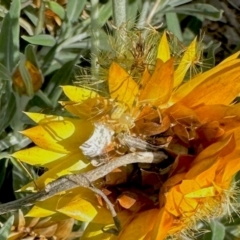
{"x": 192, "y": 121}
{"x": 29, "y": 80}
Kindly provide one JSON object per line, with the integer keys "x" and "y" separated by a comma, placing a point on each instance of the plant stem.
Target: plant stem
{"x": 143, "y": 15}
{"x": 95, "y": 37}
{"x": 119, "y": 12}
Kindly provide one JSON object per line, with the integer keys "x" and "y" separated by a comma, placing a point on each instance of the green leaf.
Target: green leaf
{"x": 201, "y": 10}
{"x": 31, "y": 13}
{"x": 41, "y": 39}
{"x": 105, "y": 12}
{"x": 3, "y": 168}
{"x": 74, "y": 9}
{"x": 209, "y": 61}
{"x": 175, "y": 3}
{"x": 173, "y": 25}
{"x": 48, "y": 58}
{"x": 7, "y": 104}
{"x": 4, "y": 73}
{"x": 22, "y": 174}
{"x": 40, "y": 18}
{"x": 218, "y": 230}
{"x": 44, "y": 98}
{"x": 61, "y": 77}
{"x": 30, "y": 53}
{"x": 27, "y": 79}
{"x": 6, "y": 229}
{"x": 6, "y": 46}
{"x": 15, "y": 16}
{"x": 132, "y": 12}
{"x": 57, "y": 9}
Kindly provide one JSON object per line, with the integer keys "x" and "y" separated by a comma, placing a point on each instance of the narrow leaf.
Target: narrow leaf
{"x": 6, "y": 46}
{"x": 42, "y": 40}
{"x": 61, "y": 77}
{"x": 201, "y": 10}
{"x": 218, "y": 230}
{"x": 173, "y": 25}
{"x": 6, "y": 229}
{"x": 15, "y": 16}
{"x": 57, "y": 9}
{"x": 74, "y": 9}
{"x": 4, "y": 73}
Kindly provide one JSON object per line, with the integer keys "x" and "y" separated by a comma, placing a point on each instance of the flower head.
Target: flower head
{"x": 152, "y": 108}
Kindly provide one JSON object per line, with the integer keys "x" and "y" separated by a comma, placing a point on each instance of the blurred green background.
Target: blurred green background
{"x": 45, "y": 44}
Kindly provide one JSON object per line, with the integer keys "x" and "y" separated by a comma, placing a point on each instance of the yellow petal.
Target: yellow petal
{"x": 185, "y": 63}
{"x": 45, "y": 208}
{"x": 62, "y": 136}
{"x": 94, "y": 232}
{"x": 215, "y": 72}
{"x": 76, "y": 207}
{"x": 71, "y": 164}
{"x": 159, "y": 87}
{"x": 121, "y": 85}
{"x": 42, "y": 118}
{"x": 163, "y": 49}
{"x": 202, "y": 193}
{"x": 37, "y": 156}
{"x": 78, "y": 94}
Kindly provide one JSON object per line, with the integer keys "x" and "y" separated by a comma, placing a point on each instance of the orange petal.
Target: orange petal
{"x": 228, "y": 117}
{"x": 163, "y": 224}
{"x": 210, "y": 132}
{"x": 126, "y": 200}
{"x": 121, "y": 85}
{"x": 176, "y": 204}
{"x": 218, "y": 149}
{"x": 145, "y": 79}
{"x": 183, "y": 115}
{"x": 214, "y": 80}
{"x": 173, "y": 201}
{"x": 231, "y": 168}
{"x": 188, "y": 186}
{"x": 159, "y": 88}
{"x": 232, "y": 57}
{"x": 222, "y": 88}
{"x": 135, "y": 229}
{"x": 207, "y": 176}
{"x": 181, "y": 164}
